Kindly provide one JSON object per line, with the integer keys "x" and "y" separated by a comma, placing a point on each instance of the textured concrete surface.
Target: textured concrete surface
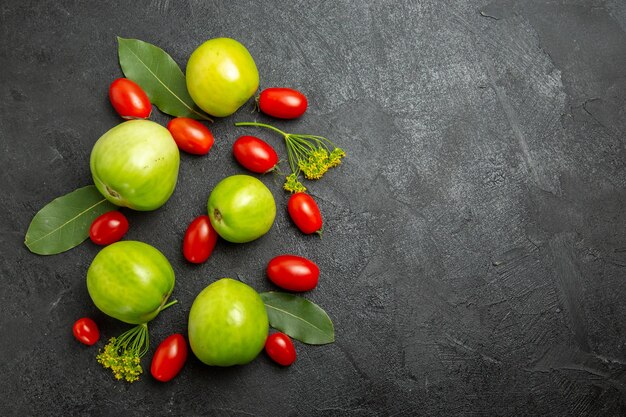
{"x": 474, "y": 258}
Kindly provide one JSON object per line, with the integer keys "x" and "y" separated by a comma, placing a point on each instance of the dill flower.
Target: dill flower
{"x": 293, "y": 185}
{"x": 335, "y": 156}
{"x": 122, "y": 355}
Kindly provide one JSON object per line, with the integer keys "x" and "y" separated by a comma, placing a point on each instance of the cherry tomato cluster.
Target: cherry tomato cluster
{"x": 131, "y": 102}
{"x": 258, "y": 156}
{"x": 290, "y": 272}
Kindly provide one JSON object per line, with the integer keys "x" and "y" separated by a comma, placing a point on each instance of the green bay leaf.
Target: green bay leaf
{"x": 299, "y": 318}
{"x": 64, "y": 222}
{"x": 159, "y": 76}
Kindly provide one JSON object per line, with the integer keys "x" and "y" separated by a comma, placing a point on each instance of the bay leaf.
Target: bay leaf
{"x": 64, "y": 222}
{"x": 159, "y": 76}
{"x": 299, "y": 318}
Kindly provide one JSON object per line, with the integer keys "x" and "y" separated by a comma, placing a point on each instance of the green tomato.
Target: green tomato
{"x": 228, "y": 324}
{"x": 130, "y": 281}
{"x": 221, "y": 76}
{"x": 135, "y": 165}
{"x": 241, "y": 208}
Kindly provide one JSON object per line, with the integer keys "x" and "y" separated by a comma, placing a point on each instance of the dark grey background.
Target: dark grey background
{"x": 474, "y": 258}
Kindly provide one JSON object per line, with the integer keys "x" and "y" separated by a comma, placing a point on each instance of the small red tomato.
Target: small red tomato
{"x": 108, "y": 228}
{"x": 190, "y": 135}
{"x": 129, "y": 100}
{"x": 169, "y": 358}
{"x": 86, "y": 331}
{"x": 282, "y": 103}
{"x": 199, "y": 240}
{"x": 293, "y": 273}
{"x": 280, "y": 348}
{"x": 254, "y": 154}
{"x": 305, "y": 213}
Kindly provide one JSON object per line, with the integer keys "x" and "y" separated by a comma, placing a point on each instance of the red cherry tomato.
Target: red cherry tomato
{"x": 282, "y": 103}
{"x": 108, "y": 228}
{"x": 293, "y": 273}
{"x": 199, "y": 240}
{"x": 305, "y": 213}
{"x": 86, "y": 331}
{"x": 280, "y": 348}
{"x": 190, "y": 135}
{"x": 254, "y": 154}
{"x": 129, "y": 100}
{"x": 169, "y": 358}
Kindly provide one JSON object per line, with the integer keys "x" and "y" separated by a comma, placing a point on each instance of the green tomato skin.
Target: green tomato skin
{"x": 221, "y": 76}
{"x": 130, "y": 281}
{"x": 228, "y": 324}
{"x": 241, "y": 208}
{"x": 135, "y": 165}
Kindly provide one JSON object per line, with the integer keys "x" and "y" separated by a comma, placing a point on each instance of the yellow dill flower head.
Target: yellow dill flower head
{"x": 122, "y": 355}
{"x": 313, "y": 171}
{"x": 123, "y": 363}
{"x": 319, "y": 155}
{"x": 316, "y": 165}
{"x": 293, "y": 185}
{"x": 335, "y": 156}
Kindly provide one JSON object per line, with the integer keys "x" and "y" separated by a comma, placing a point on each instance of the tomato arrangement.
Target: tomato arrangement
{"x": 255, "y": 154}
{"x": 129, "y": 100}
{"x": 169, "y": 358}
{"x": 108, "y": 228}
{"x": 305, "y": 213}
{"x": 86, "y": 331}
{"x": 199, "y": 241}
{"x": 190, "y": 135}
{"x": 293, "y": 273}
{"x": 136, "y": 165}
{"x": 280, "y": 348}
{"x": 282, "y": 103}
